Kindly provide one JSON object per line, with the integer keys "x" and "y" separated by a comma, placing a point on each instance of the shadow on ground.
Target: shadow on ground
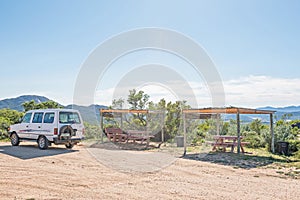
{"x": 32, "y": 151}
{"x": 123, "y": 146}
{"x": 237, "y": 161}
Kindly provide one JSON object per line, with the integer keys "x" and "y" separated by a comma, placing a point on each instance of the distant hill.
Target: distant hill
{"x": 280, "y": 111}
{"x": 287, "y": 109}
{"x": 16, "y": 103}
{"x": 89, "y": 114}
{"x": 245, "y": 118}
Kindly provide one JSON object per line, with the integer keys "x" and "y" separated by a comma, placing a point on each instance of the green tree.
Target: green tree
{"x": 117, "y": 103}
{"x": 4, "y": 124}
{"x": 172, "y": 117}
{"x": 138, "y": 100}
{"x": 7, "y": 118}
{"x": 12, "y": 116}
{"x": 173, "y": 121}
{"x": 32, "y": 105}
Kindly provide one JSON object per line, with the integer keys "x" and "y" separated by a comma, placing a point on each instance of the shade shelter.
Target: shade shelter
{"x": 118, "y": 113}
{"x": 205, "y": 113}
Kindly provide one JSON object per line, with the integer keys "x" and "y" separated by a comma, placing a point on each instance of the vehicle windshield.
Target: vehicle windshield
{"x": 26, "y": 118}
{"x": 69, "y": 118}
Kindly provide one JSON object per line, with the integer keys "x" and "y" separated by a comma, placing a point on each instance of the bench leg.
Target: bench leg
{"x": 232, "y": 148}
{"x": 242, "y": 148}
{"x": 214, "y": 148}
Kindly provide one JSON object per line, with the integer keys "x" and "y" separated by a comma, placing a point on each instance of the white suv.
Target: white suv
{"x": 58, "y": 126}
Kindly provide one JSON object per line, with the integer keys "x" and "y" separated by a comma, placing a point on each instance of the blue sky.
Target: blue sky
{"x": 255, "y": 45}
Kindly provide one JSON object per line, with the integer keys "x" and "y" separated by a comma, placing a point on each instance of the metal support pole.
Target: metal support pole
{"x": 238, "y": 132}
{"x": 184, "y": 134}
{"x": 101, "y": 126}
{"x": 162, "y": 127}
{"x": 272, "y": 133}
{"x": 218, "y": 124}
{"x": 147, "y": 133}
{"x": 121, "y": 125}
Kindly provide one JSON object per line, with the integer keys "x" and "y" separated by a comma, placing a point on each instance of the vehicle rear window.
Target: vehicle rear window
{"x": 49, "y": 118}
{"x": 37, "y": 117}
{"x": 69, "y": 118}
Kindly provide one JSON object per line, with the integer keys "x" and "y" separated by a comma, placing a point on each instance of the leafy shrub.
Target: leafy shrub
{"x": 255, "y": 140}
{"x": 297, "y": 155}
{"x": 7, "y": 118}
{"x": 92, "y": 131}
{"x": 294, "y": 146}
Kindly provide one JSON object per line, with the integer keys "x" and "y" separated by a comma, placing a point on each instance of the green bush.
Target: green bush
{"x": 297, "y": 155}
{"x": 255, "y": 140}
{"x": 294, "y": 145}
{"x": 92, "y": 131}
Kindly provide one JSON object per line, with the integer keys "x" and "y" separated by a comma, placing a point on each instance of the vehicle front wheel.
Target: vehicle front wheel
{"x": 43, "y": 142}
{"x": 69, "y": 145}
{"x": 14, "y": 139}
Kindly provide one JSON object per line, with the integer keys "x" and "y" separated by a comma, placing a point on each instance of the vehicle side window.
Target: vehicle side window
{"x": 49, "y": 118}
{"x": 37, "y": 118}
{"x": 26, "y": 118}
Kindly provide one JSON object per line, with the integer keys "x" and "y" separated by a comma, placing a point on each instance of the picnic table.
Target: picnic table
{"x": 137, "y": 135}
{"x": 115, "y": 135}
{"x": 225, "y": 141}
{"x": 118, "y": 135}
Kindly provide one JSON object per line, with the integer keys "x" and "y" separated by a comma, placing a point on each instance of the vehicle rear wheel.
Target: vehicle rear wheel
{"x": 69, "y": 145}
{"x": 43, "y": 142}
{"x": 14, "y": 139}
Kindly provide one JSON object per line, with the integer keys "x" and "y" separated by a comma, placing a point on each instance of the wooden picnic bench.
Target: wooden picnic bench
{"x": 115, "y": 134}
{"x": 225, "y": 141}
{"x": 118, "y": 135}
{"x": 136, "y": 135}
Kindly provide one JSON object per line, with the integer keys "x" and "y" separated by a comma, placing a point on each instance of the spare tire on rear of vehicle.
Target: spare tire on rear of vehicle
{"x": 66, "y": 132}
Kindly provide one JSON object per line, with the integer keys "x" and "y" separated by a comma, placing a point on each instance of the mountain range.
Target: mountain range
{"x": 91, "y": 113}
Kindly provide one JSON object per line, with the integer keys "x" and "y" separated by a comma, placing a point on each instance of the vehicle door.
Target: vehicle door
{"x": 24, "y": 127}
{"x": 48, "y": 125}
{"x": 74, "y": 120}
{"x": 36, "y": 125}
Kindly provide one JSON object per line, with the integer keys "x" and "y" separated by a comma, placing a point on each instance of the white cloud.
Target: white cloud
{"x": 172, "y": 91}
{"x": 250, "y": 91}
{"x": 255, "y": 91}
{"x": 104, "y": 97}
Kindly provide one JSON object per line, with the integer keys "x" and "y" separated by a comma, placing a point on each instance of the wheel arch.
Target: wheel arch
{"x": 12, "y": 132}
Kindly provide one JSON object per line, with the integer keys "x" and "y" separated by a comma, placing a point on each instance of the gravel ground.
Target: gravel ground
{"x": 81, "y": 173}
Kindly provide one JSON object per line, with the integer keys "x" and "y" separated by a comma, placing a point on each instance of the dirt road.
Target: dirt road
{"x": 29, "y": 173}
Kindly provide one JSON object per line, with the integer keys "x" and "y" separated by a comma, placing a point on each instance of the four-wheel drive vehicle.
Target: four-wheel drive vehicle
{"x": 58, "y": 126}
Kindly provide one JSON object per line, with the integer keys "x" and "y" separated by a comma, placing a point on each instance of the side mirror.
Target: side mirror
{"x": 20, "y": 120}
